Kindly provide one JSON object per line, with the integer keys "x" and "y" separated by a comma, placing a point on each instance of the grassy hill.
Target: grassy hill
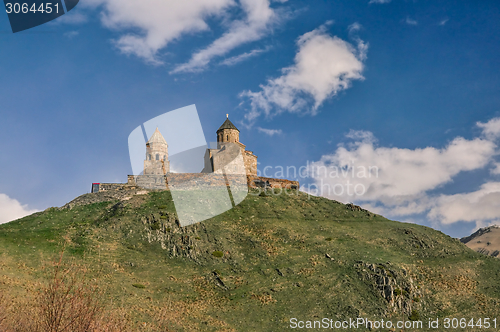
{"x": 253, "y": 268}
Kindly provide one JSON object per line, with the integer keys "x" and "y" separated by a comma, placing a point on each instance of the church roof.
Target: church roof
{"x": 157, "y": 137}
{"x": 227, "y": 125}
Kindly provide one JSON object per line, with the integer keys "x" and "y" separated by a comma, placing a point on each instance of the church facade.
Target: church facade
{"x": 230, "y": 156}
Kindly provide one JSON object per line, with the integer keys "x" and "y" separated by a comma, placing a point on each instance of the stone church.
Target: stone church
{"x": 230, "y": 156}
{"x": 229, "y": 161}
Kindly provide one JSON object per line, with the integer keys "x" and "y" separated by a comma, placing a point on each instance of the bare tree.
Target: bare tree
{"x": 68, "y": 302}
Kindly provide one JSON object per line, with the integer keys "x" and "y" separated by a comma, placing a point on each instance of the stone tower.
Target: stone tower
{"x": 227, "y": 133}
{"x": 156, "y": 162}
{"x": 228, "y": 142}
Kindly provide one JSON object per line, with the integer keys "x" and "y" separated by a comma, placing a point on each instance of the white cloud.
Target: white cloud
{"x": 157, "y": 22}
{"x": 444, "y": 21}
{"x": 11, "y": 209}
{"x": 361, "y": 136}
{"x": 242, "y": 57}
{"x": 71, "y": 34}
{"x": 411, "y": 21}
{"x": 481, "y": 206}
{"x": 397, "y": 182}
{"x": 324, "y": 66}
{"x": 73, "y": 17}
{"x": 496, "y": 169}
{"x": 405, "y": 172}
{"x": 380, "y": 1}
{"x": 490, "y": 129}
{"x": 270, "y": 132}
{"x": 355, "y": 27}
{"x": 260, "y": 18}
{"x": 148, "y": 26}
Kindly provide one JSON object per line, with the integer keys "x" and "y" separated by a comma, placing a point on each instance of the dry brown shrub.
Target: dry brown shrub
{"x": 264, "y": 298}
{"x": 68, "y": 302}
{"x": 3, "y": 311}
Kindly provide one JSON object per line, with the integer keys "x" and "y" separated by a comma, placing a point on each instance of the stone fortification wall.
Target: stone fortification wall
{"x": 250, "y": 161}
{"x": 260, "y": 182}
{"x": 150, "y": 181}
{"x": 197, "y": 181}
{"x": 116, "y": 186}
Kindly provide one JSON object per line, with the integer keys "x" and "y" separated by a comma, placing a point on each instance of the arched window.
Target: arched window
{"x": 157, "y": 157}
{"x": 149, "y": 157}
{"x": 165, "y": 157}
{"x": 227, "y": 138}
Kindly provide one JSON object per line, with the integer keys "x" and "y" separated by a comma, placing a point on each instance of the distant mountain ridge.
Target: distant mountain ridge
{"x": 485, "y": 241}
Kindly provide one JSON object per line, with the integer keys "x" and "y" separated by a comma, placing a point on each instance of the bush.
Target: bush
{"x": 328, "y": 239}
{"x": 162, "y": 207}
{"x": 163, "y": 217}
{"x": 138, "y": 286}
{"x": 414, "y": 315}
{"x": 67, "y": 302}
{"x": 156, "y": 226}
{"x": 218, "y": 253}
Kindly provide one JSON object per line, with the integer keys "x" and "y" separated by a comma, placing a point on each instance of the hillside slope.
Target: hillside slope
{"x": 255, "y": 267}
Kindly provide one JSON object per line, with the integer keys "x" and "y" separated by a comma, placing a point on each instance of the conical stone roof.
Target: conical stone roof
{"x": 227, "y": 125}
{"x": 157, "y": 137}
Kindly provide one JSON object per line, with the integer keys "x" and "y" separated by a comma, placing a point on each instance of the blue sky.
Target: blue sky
{"x": 400, "y": 85}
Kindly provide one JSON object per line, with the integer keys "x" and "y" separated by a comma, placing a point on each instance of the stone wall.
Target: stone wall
{"x": 229, "y": 159}
{"x": 199, "y": 180}
{"x": 156, "y": 167}
{"x": 152, "y": 182}
{"x": 116, "y": 186}
{"x": 258, "y": 181}
{"x": 226, "y": 158}
{"x": 250, "y": 161}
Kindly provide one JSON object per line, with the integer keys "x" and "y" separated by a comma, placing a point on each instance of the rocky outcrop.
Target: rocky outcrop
{"x": 164, "y": 229}
{"x": 123, "y": 194}
{"x": 393, "y": 284}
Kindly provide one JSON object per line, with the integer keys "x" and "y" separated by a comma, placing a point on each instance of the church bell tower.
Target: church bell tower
{"x": 228, "y": 133}
{"x": 156, "y": 162}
